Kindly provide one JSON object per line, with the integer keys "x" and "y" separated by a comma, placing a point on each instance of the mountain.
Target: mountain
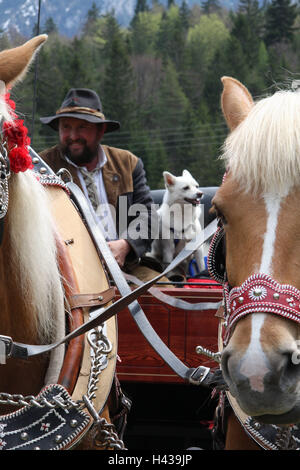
{"x": 68, "y": 15}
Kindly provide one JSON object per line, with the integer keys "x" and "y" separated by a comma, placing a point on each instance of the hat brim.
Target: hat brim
{"x": 52, "y": 121}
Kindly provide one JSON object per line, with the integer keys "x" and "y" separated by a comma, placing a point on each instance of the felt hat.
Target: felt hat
{"x": 81, "y": 103}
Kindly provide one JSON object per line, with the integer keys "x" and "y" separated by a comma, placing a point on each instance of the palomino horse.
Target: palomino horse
{"x": 257, "y": 206}
{"x": 47, "y": 263}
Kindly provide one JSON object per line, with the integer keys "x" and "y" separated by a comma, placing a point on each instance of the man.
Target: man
{"x": 112, "y": 179}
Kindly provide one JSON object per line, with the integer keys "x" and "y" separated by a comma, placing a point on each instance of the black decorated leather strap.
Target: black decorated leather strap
{"x": 128, "y": 299}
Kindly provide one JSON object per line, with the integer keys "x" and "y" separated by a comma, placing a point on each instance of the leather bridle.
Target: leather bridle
{"x": 258, "y": 294}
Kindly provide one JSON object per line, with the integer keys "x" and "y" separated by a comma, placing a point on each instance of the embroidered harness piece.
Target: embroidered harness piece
{"x": 216, "y": 256}
{"x": 55, "y": 427}
{"x": 260, "y": 294}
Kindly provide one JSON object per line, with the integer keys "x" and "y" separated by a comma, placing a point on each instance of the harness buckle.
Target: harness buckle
{"x": 6, "y": 344}
{"x": 199, "y": 375}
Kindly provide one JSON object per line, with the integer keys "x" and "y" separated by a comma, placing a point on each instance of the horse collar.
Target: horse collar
{"x": 260, "y": 294}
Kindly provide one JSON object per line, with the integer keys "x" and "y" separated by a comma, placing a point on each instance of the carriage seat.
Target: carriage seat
{"x": 208, "y": 194}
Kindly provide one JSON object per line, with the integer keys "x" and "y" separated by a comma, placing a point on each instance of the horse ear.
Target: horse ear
{"x": 14, "y": 62}
{"x": 236, "y": 102}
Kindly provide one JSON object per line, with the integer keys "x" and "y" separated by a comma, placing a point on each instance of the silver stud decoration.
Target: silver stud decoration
{"x": 258, "y": 293}
{"x": 4, "y": 176}
{"x": 73, "y": 423}
{"x": 276, "y": 296}
{"x": 43, "y": 170}
{"x": 24, "y": 436}
{"x": 241, "y": 299}
{"x": 58, "y": 438}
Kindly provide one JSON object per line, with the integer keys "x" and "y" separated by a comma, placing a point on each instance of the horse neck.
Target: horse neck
{"x": 30, "y": 276}
{"x": 30, "y": 289}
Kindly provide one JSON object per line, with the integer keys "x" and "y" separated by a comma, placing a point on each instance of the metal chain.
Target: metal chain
{"x": 105, "y": 435}
{"x": 216, "y": 356}
{"x": 101, "y": 347}
{"x": 39, "y": 402}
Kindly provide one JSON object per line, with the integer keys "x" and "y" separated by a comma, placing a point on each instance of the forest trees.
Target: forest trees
{"x": 160, "y": 75}
{"x": 280, "y": 21}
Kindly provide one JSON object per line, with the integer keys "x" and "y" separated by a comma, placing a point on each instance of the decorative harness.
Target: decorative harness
{"x": 258, "y": 294}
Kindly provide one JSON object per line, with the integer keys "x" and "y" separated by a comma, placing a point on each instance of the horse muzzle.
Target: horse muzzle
{"x": 263, "y": 386}
{"x": 263, "y": 375}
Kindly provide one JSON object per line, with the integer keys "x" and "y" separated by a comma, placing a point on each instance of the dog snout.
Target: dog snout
{"x": 199, "y": 194}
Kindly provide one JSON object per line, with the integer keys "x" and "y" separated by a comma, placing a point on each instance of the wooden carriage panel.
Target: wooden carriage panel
{"x": 181, "y": 330}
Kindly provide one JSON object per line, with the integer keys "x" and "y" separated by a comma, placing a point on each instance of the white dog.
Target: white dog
{"x": 179, "y": 218}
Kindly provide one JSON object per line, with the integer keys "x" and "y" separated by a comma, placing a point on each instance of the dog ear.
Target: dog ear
{"x": 186, "y": 173}
{"x": 169, "y": 178}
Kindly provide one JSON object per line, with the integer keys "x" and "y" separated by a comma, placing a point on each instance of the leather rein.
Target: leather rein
{"x": 199, "y": 375}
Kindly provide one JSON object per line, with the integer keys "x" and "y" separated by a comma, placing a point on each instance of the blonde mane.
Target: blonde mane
{"x": 263, "y": 152}
{"x": 33, "y": 252}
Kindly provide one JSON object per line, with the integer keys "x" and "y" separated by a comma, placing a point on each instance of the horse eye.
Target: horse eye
{"x": 220, "y": 216}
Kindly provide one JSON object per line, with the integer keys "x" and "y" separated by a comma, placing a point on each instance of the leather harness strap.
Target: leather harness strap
{"x": 172, "y": 300}
{"x": 91, "y": 300}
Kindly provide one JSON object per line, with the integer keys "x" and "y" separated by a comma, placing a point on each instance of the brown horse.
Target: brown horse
{"x": 257, "y": 205}
{"x": 41, "y": 273}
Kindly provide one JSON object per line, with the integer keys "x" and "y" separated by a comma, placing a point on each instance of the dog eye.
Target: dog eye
{"x": 186, "y": 188}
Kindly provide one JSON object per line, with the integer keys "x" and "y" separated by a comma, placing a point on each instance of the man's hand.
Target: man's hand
{"x": 120, "y": 249}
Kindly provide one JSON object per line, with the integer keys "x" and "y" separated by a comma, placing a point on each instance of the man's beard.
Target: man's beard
{"x": 87, "y": 154}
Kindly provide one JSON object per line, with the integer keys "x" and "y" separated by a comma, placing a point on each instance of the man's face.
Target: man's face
{"x": 79, "y": 139}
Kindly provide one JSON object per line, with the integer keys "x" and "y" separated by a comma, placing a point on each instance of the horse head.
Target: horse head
{"x": 258, "y": 205}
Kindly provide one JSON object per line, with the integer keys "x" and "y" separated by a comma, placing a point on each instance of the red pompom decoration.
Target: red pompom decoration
{"x": 19, "y": 159}
{"x": 15, "y": 134}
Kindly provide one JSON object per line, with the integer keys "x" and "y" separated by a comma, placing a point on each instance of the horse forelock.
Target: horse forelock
{"x": 263, "y": 152}
{"x": 33, "y": 251}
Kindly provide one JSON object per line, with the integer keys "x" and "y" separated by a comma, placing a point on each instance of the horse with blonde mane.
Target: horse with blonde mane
{"x": 48, "y": 259}
{"x": 257, "y": 206}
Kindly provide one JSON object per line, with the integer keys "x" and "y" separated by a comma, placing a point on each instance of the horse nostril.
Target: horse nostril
{"x": 287, "y": 370}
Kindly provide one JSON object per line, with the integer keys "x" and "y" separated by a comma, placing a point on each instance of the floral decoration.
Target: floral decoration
{"x": 17, "y": 140}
